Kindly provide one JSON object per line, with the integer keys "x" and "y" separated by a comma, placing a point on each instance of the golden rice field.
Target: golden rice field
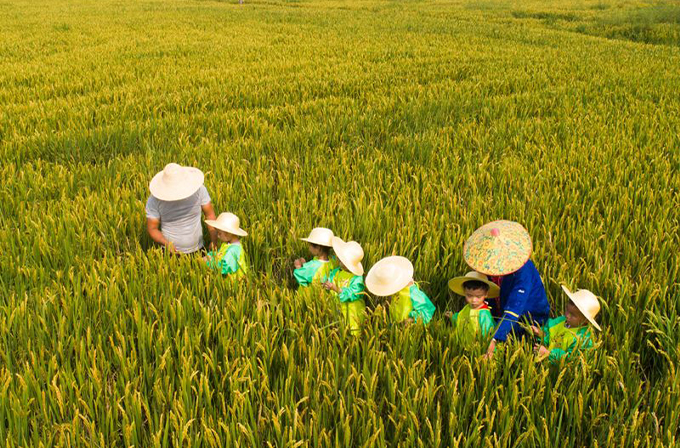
{"x": 403, "y": 125}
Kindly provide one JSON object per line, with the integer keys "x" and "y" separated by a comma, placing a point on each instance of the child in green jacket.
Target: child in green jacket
{"x": 320, "y": 242}
{"x": 475, "y": 319}
{"x": 347, "y": 282}
{"x": 393, "y": 276}
{"x": 229, "y": 259}
{"x": 562, "y": 336}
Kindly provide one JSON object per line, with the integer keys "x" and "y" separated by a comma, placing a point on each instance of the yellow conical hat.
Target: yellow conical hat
{"x": 498, "y": 248}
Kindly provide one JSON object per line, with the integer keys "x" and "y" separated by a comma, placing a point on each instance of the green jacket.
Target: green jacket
{"x": 471, "y": 324}
{"x": 229, "y": 259}
{"x": 411, "y": 302}
{"x": 350, "y": 298}
{"x": 314, "y": 271}
{"x": 562, "y": 341}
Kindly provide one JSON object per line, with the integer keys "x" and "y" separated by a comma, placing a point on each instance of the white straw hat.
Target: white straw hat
{"x": 176, "y": 182}
{"x": 586, "y": 302}
{"x": 227, "y": 222}
{"x": 389, "y": 276}
{"x": 456, "y": 284}
{"x": 320, "y": 236}
{"x": 350, "y": 254}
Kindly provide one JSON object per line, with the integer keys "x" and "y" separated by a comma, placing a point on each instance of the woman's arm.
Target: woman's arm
{"x": 209, "y": 213}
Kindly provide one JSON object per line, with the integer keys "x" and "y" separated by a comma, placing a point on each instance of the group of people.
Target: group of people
{"x": 504, "y": 292}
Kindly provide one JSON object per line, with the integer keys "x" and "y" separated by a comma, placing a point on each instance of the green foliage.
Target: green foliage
{"x": 402, "y": 125}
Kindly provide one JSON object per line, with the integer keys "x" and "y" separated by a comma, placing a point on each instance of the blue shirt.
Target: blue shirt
{"x": 522, "y": 297}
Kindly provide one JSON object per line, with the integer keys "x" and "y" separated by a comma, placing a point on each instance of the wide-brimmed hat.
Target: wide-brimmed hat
{"x": 227, "y": 222}
{"x": 320, "y": 236}
{"x": 498, "y": 248}
{"x": 176, "y": 182}
{"x": 586, "y": 302}
{"x": 389, "y": 276}
{"x": 350, "y": 254}
{"x": 456, "y": 284}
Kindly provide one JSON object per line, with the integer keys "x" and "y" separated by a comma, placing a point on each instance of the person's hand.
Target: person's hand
{"x": 171, "y": 248}
{"x": 409, "y": 321}
{"x": 448, "y": 315}
{"x": 490, "y": 350}
{"x": 299, "y": 262}
{"x": 541, "y": 350}
{"x": 537, "y": 331}
{"x": 331, "y": 286}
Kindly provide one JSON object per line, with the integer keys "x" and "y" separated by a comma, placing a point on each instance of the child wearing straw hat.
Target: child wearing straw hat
{"x": 393, "y": 276}
{"x": 320, "y": 242}
{"x": 347, "y": 281}
{"x": 475, "y": 318}
{"x": 570, "y": 332}
{"x": 503, "y": 249}
{"x": 230, "y": 258}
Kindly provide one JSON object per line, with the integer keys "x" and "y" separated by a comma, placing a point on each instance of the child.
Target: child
{"x": 229, "y": 259}
{"x": 311, "y": 272}
{"x": 563, "y": 335}
{"x": 347, "y": 281}
{"x": 393, "y": 276}
{"x": 474, "y": 319}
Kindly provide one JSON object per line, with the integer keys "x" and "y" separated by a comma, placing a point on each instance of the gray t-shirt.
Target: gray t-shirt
{"x": 180, "y": 220}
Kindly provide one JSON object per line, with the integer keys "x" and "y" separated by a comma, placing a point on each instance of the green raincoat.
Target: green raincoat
{"x": 352, "y": 304}
{"x": 470, "y": 324}
{"x": 561, "y": 341}
{"x": 411, "y": 302}
{"x": 314, "y": 271}
{"x": 229, "y": 259}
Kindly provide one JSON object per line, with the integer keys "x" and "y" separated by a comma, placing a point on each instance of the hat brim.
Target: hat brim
{"x": 167, "y": 192}
{"x": 339, "y": 249}
{"x": 456, "y": 285}
{"x": 308, "y": 240}
{"x": 216, "y": 225}
{"x": 578, "y": 305}
{"x": 396, "y": 284}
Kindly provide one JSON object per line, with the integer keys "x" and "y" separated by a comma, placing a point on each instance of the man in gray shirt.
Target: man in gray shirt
{"x": 173, "y": 210}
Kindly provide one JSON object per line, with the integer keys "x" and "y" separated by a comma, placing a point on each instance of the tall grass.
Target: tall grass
{"x": 401, "y": 125}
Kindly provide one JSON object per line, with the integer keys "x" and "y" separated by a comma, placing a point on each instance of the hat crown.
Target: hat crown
{"x": 172, "y": 173}
{"x": 321, "y": 236}
{"x": 354, "y": 251}
{"x": 477, "y": 275}
{"x": 228, "y": 219}
{"x": 587, "y": 302}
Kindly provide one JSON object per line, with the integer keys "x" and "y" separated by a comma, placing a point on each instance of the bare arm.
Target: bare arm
{"x": 153, "y": 226}
{"x": 209, "y": 213}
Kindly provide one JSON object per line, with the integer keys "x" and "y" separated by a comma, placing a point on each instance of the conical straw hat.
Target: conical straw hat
{"x": 227, "y": 222}
{"x": 321, "y": 236}
{"x": 498, "y": 248}
{"x": 176, "y": 182}
{"x": 389, "y": 276}
{"x": 350, "y": 254}
{"x": 586, "y": 302}
{"x": 456, "y": 284}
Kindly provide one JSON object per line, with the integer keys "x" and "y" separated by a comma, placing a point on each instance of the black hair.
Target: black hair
{"x": 324, "y": 249}
{"x": 476, "y": 284}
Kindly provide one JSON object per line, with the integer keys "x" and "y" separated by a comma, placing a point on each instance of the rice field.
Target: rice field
{"x": 403, "y": 125}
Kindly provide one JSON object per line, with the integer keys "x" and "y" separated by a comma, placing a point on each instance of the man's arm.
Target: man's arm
{"x": 153, "y": 226}
{"x": 209, "y": 213}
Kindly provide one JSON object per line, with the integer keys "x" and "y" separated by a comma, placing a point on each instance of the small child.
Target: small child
{"x": 393, "y": 276}
{"x": 475, "y": 318}
{"x": 563, "y": 335}
{"x": 230, "y": 258}
{"x": 320, "y": 241}
{"x": 347, "y": 281}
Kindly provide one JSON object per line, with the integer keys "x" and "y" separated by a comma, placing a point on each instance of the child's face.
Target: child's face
{"x": 475, "y": 297}
{"x": 314, "y": 249}
{"x": 225, "y": 236}
{"x": 573, "y": 317}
